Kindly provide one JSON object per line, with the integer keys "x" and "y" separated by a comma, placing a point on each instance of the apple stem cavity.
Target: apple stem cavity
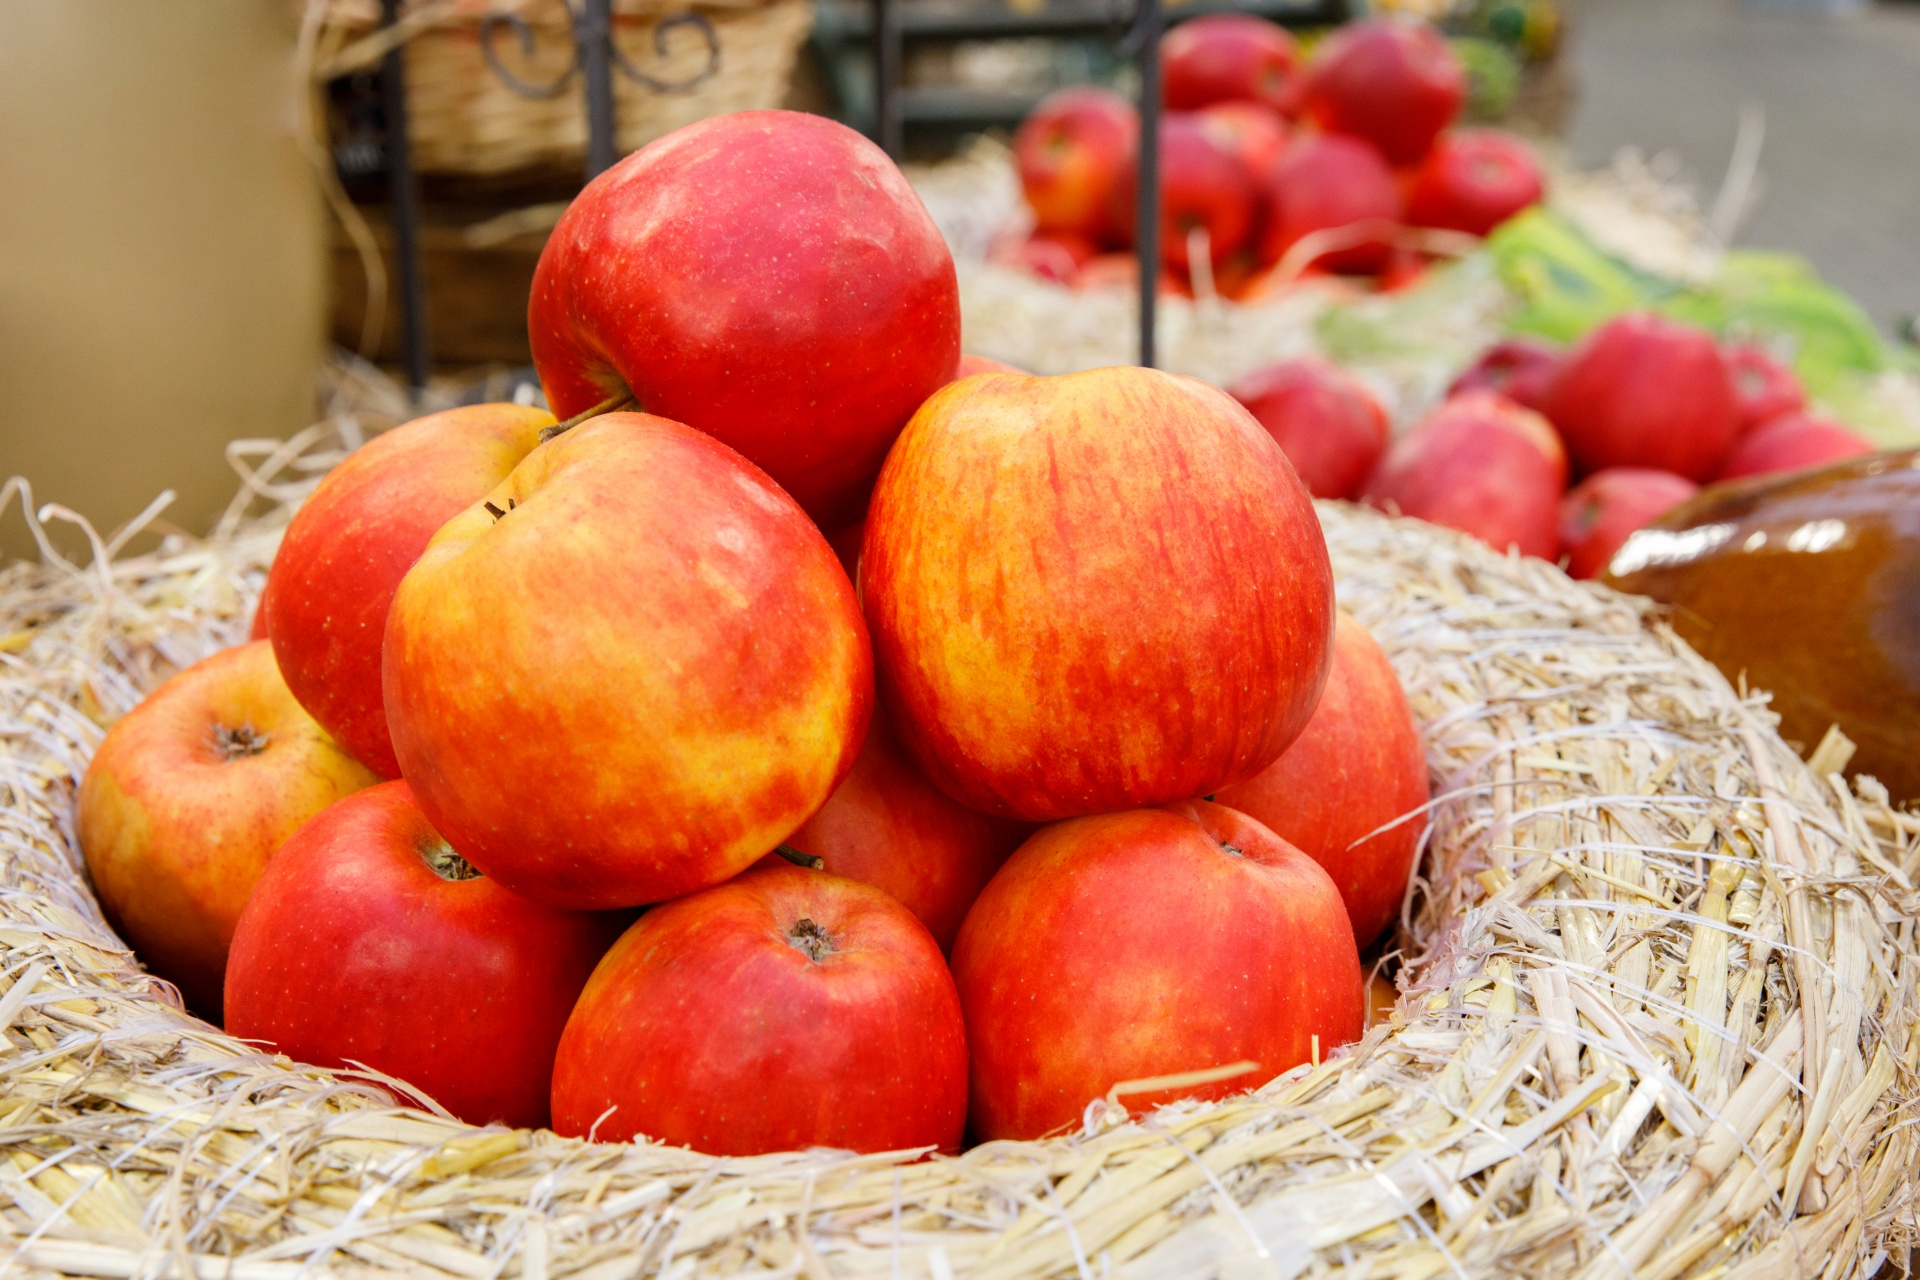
{"x": 236, "y": 742}
{"x": 447, "y": 864}
{"x": 810, "y": 939}
{"x": 1233, "y": 851}
{"x": 800, "y": 859}
{"x": 622, "y": 399}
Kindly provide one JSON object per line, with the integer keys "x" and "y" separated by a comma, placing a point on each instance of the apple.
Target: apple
{"x": 1332, "y": 429}
{"x": 369, "y": 940}
{"x": 972, "y": 364}
{"x": 1148, "y": 943}
{"x": 767, "y": 277}
{"x": 782, "y": 1010}
{"x": 1350, "y": 792}
{"x": 352, "y": 541}
{"x": 629, "y": 672}
{"x": 1042, "y": 259}
{"x": 1643, "y": 391}
{"x": 1255, "y": 133}
{"x": 1093, "y": 592}
{"x": 1325, "y": 182}
{"x": 1602, "y": 511}
{"x": 1228, "y": 57}
{"x": 1520, "y": 369}
{"x": 1792, "y": 442}
{"x": 1764, "y": 388}
{"x": 889, "y": 827}
{"x": 1395, "y": 84}
{"x": 1122, "y": 271}
{"x": 1473, "y": 181}
{"x": 1483, "y": 465}
{"x": 189, "y": 796}
{"x": 1204, "y": 186}
{"x": 1075, "y": 155}
{"x": 1078, "y": 247}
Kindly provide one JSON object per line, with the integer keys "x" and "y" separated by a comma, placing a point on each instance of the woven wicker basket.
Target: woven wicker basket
{"x": 463, "y": 118}
{"x": 1658, "y": 1015}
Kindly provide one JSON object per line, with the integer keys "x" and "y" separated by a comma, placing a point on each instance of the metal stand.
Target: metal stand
{"x": 406, "y": 211}
{"x": 1146, "y": 231}
{"x": 595, "y": 39}
{"x": 886, "y": 77}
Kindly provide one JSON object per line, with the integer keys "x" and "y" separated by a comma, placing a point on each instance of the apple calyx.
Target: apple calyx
{"x": 800, "y": 859}
{"x": 235, "y": 742}
{"x": 447, "y": 864}
{"x": 622, "y": 399}
{"x": 810, "y": 940}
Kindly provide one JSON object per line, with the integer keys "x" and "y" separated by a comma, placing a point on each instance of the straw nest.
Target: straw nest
{"x": 1657, "y": 1014}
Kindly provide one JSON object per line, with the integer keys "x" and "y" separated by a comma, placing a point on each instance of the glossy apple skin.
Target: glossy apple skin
{"x": 1332, "y": 429}
{"x": 1520, "y": 369}
{"x": 708, "y": 1027}
{"x": 889, "y": 827}
{"x": 350, "y": 543}
{"x": 1075, "y": 155}
{"x": 1483, "y": 465}
{"x": 1763, "y": 388}
{"x": 1358, "y": 766}
{"x": 1325, "y": 182}
{"x": 177, "y": 827}
{"x": 638, "y": 680}
{"x": 767, "y": 277}
{"x": 1204, "y": 184}
{"x": 1642, "y": 391}
{"x": 354, "y": 948}
{"x": 1473, "y": 181}
{"x": 1229, "y": 57}
{"x": 1602, "y": 511}
{"x": 1792, "y": 442}
{"x": 1256, "y": 133}
{"x": 1021, "y": 555}
{"x": 1395, "y": 84}
{"x": 1148, "y": 943}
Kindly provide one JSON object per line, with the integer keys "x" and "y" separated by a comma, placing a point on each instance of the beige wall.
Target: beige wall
{"x": 161, "y": 284}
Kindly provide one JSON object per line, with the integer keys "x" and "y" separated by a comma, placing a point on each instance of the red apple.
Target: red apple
{"x": 1473, "y": 181}
{"x": 889, "y": 827}
{"x": 352, "y": 541}
{"x": 1325, "y": 182}
{"x": 1255, "y": 133}
{"x": 1060, "y": 627}
{"x": 1395, "y": 84}
{"x": 1228, "y": 57}
{"x": 1042, "y": 259}
{"x": 1764, "y": 388}
{"x": 1600, "y": 512}
{"x": 767, "y": 277}
{"x": 782, "y": 1010}
{"x": 370, "y": 940}
{"x": 629, "y": 672}
{"x": 1122, "y": 271}
{"x": 1148, "y": 943}
{"x": 1082, "y": 249}
{"x": 972, "y": 364}
{"x": 1330, "y": 426}
{"x": 1350, "y": 792}
{"x": 1483, "y": 465}
{"x": 1074, "y": 154}
{"x": 1792, "y": 442}
{"x": 188, "y": 797}
{"x": 1204, "y": 185}
{"x": 1642, "y": 391}
{"x": 1520, "y": 369}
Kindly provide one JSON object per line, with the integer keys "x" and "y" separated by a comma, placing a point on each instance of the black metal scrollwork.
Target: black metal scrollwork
{"x": 688, "y": 18}
{"x": 524, "y": 36}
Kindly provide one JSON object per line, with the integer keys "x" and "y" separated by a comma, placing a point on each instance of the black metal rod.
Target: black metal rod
{"x": 596, "y": 59}
{"x": 1147, "y": 182}
{"x": 886, "y": 77}
{"x": 406, "y": 210}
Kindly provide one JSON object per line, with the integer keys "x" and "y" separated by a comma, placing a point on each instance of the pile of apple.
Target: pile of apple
{"x": 1644, "y": 410}
{"x": 575, "y": 780}
{"x": 1269, "y": 167}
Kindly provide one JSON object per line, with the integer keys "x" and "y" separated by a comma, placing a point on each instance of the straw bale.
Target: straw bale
{"x": 1657, "y": 1010}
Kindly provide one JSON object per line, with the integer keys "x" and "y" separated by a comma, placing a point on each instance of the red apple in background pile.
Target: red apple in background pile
{"x": 1483, "y": 465}
{"x": 630, "y": 673}
{"x": 1330, "y": 426}
{"x": 1473, "y": 181}
{"x": 1255, "y": 133}
{"x": 1357, "y": 767}
{"x": 1325, "y": 182}
{"x": 1043, "y": 259}
{"x": 1122, "y": 271}
{"x": 785, "y": 1009}
{"x": 1205, "y": 186}
{"x": 349, "y": 545}
{"x": 1642, "y": 391}
{"x": 1792, "y": 442}
{"x": 1600, "y": 512}
{"x": 1142, "y": 944}
{"x": 1059, "y": 629}
{"x": 713, "y": 272}
{"x": 1081, "y": 249}
{"x": 1228, "y": 57}
{"x": 1763, "y": 388}
{"x": 1075, "y": 156}
{"x": 369, "y": 940}
{"x": 188, "y": 797}
{"x": 1520, "y": 369}
{"x": 1396, "y": 84}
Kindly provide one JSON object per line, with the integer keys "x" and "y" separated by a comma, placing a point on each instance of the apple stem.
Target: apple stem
{"x": 800, "y": 859}
{"x": 612, "y": 404}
